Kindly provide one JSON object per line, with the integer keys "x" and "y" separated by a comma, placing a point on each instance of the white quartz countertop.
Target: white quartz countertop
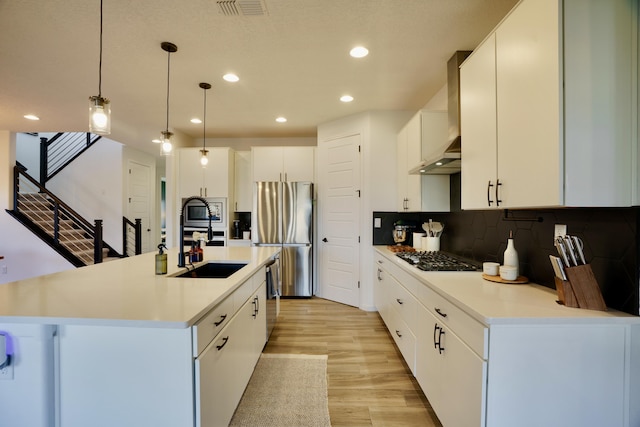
{"x": 498, "y": 303}
{"x": 127, "y": 292}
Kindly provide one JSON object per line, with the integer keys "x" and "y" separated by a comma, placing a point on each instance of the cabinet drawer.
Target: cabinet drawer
{"x": 210, "y": 325}
{"x": 404, "y": 303}
{"x": 404, "y": 339}
{"x": 472, "y": 332}
{"x": 242, "y": 294}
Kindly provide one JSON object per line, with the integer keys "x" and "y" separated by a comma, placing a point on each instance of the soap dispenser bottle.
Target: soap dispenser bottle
{"x": 161, "y": 260}
{"x": 510, "y": 254}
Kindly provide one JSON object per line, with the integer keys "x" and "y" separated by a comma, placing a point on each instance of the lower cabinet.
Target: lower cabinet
{"x": 525, "y": 371}
{"x": 224, "y": 368}
{"x": 162, "y": 377}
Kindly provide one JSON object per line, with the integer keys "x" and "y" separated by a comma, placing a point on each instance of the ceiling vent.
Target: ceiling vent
{"x": 242, "y": 7}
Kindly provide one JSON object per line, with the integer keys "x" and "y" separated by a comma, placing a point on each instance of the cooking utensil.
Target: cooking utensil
{"x": 558, "y": 268}
{"x": 436, "y": 228}
{"x": 579, "y": 247}
{"x": 559, "y": 243}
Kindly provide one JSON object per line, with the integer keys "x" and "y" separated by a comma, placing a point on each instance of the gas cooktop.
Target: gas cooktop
{"x": 438, "y": 261}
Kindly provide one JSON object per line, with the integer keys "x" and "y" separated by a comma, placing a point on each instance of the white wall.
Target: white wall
{"x": 378, "y": 130}
{"x": 92, "y": 186}
{"x": 245, "y": 144}
{"x": 25, "y": 255}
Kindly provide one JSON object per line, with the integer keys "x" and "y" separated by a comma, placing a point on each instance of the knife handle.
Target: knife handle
{"x": 579, "y": 247}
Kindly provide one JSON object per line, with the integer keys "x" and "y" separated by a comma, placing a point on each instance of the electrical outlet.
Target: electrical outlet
{"x": 559, "y": 230}
{"x": 6, "y": 373}
{"x": 4, "y": 269}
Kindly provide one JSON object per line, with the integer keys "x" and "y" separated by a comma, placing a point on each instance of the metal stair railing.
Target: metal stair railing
{"x": 26, "y": 186}
{"x": 131, "y": 236}
{"x": 60, "y": 150}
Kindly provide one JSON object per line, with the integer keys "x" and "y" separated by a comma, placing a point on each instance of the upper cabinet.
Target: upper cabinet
{"x": 216, "y": 180}
{"x": 243, "y": 187}
{"x": 283, "y": 163}
{"x": 546, "y": 108}
{"x": 420, "y": 193}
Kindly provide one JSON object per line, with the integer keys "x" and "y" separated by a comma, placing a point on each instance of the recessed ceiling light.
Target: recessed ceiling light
{"x": 359, "y": 52}
{"x": 31, "y": 117}
{"x": 196, "y": 121}
{"x": 230, "y": 77}
{"x": 346, "y": 98}
{"x": 281, "y": 119}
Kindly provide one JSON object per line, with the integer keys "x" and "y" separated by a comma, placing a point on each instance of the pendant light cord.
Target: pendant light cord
{"x": 100, "y": 63}
{"x": 204, "y": 121}
{"x": 168, "y": 72}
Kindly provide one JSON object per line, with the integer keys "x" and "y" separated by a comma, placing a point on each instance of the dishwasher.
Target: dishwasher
{"x": 274, "y": 285}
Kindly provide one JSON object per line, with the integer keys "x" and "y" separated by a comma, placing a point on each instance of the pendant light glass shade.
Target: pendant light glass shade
{"x": 204, "y": 160}
{"x": 165, "y": 143}
{"x": 99, "y": 107}
{"x": 99, "y": 115}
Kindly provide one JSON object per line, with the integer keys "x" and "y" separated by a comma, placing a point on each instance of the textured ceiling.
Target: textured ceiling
{"x": 292, "y": 61}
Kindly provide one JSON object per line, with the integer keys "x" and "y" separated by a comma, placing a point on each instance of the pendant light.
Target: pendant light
{"x": 166, "y": 146}
{"x": 99, "y": 107}
{"x": 204, "y": 160}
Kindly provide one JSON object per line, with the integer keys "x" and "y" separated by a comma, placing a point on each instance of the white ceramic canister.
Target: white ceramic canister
{"x": 417, "y": 241}
{"x": 511, "y": 255}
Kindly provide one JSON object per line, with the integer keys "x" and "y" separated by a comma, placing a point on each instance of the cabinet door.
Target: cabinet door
{"x": 266, "y": 163}
{"x": 243, "y": 189}
{"x": 218, "y": 175}
{"x": 298, "y": 164}
{"x": 413, "y": 156}
{"x": 478, "y": 125}
{"x": 529, "y": 103}
{"x": 190, "y": 173}
{"x": 401, "y": 169}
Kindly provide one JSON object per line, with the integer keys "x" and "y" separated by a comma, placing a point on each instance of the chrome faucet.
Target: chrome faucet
{"x": 181, "y": 255}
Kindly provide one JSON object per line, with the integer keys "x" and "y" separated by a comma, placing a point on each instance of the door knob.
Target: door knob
{"x": 325, "y": 240}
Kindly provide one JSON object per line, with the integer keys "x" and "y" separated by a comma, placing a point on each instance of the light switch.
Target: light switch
{"x": 377, "y": 222}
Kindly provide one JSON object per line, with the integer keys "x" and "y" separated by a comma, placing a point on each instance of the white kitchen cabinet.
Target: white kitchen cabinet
{"x": 243, "y": 183}
{"x": 283, "y": 163}
{"x": 562, "y": 131}
{"x": 216, "y": 180}
{"x": 141, "y": 376}
{"x": 529, "y": 362}
{"x": 421, "y": 193}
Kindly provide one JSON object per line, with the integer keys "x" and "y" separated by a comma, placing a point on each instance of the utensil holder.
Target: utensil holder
{"x": 581, "y": 290}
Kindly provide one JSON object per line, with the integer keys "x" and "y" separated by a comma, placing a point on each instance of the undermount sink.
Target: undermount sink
{"x": 212, "y": 270}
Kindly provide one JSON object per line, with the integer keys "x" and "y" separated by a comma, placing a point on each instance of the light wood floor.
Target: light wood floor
{"x": 369, "y": 383}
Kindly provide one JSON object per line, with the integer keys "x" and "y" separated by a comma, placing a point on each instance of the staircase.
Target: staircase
{"x": 39, "y": 209}
{"x": 75, "y": 238}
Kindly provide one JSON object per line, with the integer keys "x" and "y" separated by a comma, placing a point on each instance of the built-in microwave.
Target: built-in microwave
{"x": 196, "y": 213}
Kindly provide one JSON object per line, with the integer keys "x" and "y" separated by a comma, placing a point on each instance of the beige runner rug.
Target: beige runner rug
{"x": 285, "y": 390}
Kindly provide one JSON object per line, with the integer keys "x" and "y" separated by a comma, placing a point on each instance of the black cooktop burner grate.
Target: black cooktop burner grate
{"x": 438, "y": 261}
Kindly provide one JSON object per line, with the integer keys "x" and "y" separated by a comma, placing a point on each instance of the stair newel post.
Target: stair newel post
{"x": 138, "y": 227}
{"x": 97, "y": 242}
{"x": 56, "y": 223}
{"x": 16, "y": 187}
{"x": 44, "y": 160}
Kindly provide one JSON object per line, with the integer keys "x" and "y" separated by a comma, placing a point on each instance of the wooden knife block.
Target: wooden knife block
{"x": 581, "y": 290}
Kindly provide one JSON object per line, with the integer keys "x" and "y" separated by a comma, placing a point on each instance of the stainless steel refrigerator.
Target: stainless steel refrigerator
{"x": 283, "y": 216}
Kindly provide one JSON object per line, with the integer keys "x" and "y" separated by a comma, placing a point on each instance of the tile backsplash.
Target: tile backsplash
{"x": 610, "y": 238}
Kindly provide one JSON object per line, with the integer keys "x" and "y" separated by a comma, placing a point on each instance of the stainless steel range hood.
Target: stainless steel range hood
{"x": 446, "y": 160}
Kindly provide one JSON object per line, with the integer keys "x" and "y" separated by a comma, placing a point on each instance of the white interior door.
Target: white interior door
{"x": 339, "y": 228}
{"x": 139, "y": 205}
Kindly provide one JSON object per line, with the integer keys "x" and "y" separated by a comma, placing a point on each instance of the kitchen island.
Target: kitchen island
{"x": 492, "y": 354}
{"x": 116, "y": 344}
